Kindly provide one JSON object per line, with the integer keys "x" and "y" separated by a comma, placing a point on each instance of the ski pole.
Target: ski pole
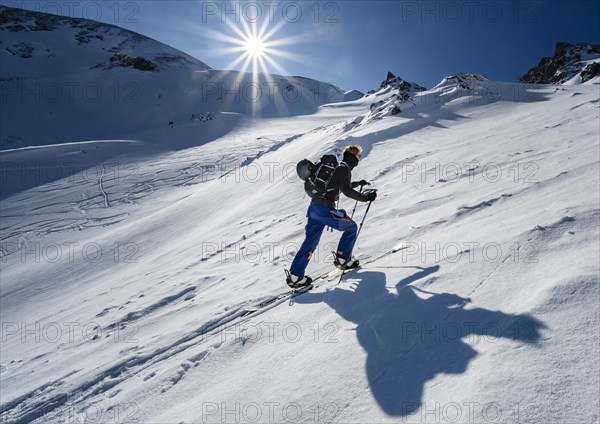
{"x": 353, "y": 210}
{"x": 356, "y": 239}
{"x": 355, "y": 204}
{"x": 361, "y": 224}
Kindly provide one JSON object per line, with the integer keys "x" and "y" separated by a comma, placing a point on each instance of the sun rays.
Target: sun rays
{"x": 255, "y": 48}
{"x": 258, "y": 49}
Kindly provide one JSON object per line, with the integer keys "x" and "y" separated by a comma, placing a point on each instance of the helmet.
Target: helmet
{"x": 304, "y": 169}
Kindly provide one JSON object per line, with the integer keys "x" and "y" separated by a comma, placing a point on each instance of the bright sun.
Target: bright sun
{"x": 255, "y": 47}
{"x": 257, "y": 51}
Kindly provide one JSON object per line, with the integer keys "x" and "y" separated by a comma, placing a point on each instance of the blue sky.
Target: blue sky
{"x": 354, "y": 43}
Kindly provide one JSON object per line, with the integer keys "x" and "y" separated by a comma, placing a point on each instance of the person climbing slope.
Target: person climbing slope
{"x": 327, "y": 179}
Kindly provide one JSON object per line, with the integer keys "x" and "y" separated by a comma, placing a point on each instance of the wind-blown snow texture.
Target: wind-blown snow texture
{"x": 126, "y": 283}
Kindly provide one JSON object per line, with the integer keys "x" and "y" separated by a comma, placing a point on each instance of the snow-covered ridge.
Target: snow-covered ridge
{"x": 397, "y": 95}
{"x": 572, "y": 64}
{"x": 111, "y": 45}
{"x": 83, "y": 80}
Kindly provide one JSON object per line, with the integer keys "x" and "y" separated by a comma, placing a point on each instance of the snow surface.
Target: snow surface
{"x": 137, "y": 271}
{"x": 587, "y": 60}
{"x": 132, "y": 251}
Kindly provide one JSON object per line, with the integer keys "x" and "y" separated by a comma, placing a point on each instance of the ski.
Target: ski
{"x": 399, "y": 247}
{"x": 300, "y": 290}
{"x": 290, "y": 294}
{"x": 278, "y": 298}
{"x": 338, "y": 273}
{"x": 325, "y": 277}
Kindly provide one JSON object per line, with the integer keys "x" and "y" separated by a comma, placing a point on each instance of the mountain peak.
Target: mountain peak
{"x": 399, "y": 83}
{"x": 463, "y": 80}
{"x": 568, "y": 62}
{"x": 394, "y": 82}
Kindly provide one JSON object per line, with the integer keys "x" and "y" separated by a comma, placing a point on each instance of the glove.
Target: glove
{"x": 361, "y": 183}
{"x": 371, "y": 196}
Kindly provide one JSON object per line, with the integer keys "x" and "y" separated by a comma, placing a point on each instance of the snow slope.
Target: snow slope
{"x": 124, "y": 288}
{"x": 76, "y": 92}
{"x": 111, "y": 83}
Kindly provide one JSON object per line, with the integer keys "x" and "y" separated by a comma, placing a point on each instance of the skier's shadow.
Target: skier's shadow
{"x": 413, "y": 335}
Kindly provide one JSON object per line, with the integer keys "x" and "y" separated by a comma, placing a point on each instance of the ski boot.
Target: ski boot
{"x": 345, "y": 263}
{"x": 296, "y": 282}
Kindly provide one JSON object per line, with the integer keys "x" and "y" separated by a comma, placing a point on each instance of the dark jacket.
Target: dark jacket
{"x": 342, "y": 181}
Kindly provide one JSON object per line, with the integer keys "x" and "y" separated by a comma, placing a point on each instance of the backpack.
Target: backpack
{"x": 316, "y": 184}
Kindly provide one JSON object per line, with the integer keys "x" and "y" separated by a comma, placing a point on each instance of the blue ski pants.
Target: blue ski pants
{"x": 319, "y": 216}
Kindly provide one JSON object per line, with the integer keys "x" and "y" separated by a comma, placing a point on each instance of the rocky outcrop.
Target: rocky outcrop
{"x": 402, "y": 96}
{"x": 398, "y": 83}
{"x": 466, "y": 81}
{"x": 568, "y": 61}
{"x": 120, "y": 60}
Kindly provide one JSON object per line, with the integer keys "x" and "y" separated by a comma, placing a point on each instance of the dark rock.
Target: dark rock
{"x": 83, "y": 37}
{"x": 392, "y": 104}
{"x": 12, "y": 19}
{"x": 22, "y": 49}
{"x": 202, "y": 117}
{"x": 15, "y": 28}
{"x": 397, "y": 82}
{"x": 376, "y": 104}
{"x": 590, "y": 71}
{"x": 563, "y": 65}
{"x": 121, "y": 60}
{"x": 465, "y": 80}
